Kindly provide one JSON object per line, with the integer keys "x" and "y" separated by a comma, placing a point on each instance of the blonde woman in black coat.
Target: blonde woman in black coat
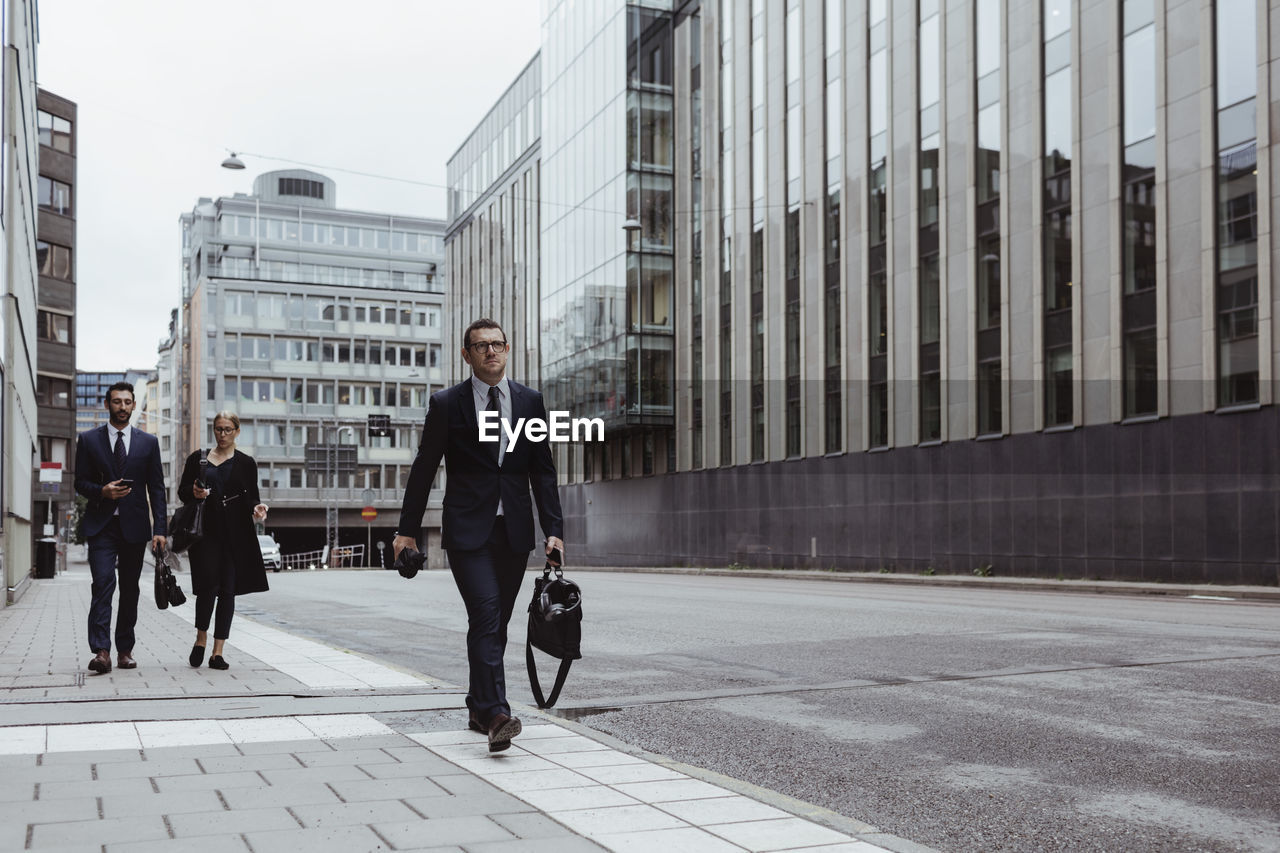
{"x": 227, "y": 561}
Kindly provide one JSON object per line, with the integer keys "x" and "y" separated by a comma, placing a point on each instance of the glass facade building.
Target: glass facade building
{"x": 915, "y": 284}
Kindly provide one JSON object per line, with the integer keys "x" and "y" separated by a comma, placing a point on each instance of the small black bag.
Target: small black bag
{"x": 555, "y": 627}
{"x": 167, "y": 591}
{"x": 187, "y": 525}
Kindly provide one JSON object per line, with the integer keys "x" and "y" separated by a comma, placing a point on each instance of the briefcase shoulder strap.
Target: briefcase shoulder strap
{"x": 533, "y": 677}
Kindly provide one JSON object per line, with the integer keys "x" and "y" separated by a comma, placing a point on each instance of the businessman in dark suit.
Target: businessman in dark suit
{"x": 117, "y": 468}
{"x": 487, "y": 527}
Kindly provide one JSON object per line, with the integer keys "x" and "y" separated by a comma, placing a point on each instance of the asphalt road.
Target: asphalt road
{"x": 958, "y": 719}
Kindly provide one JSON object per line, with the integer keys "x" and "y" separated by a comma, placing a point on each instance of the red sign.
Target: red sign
{"x": 368, "y": 513}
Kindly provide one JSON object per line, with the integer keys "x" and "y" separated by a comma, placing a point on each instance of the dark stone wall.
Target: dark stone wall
{"x": 1188, "y": 499}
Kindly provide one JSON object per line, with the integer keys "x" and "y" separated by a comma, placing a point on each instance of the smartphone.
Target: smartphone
{"x": 556, "y": 558}
{"x": 128, "y": 484}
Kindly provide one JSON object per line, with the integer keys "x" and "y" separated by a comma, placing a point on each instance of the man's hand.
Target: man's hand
{"x": 114, "y": 490}
{"x": 555, "y": 542}
{"x": 400, "y": 543}
{"x": 159, "y": 543}
{"x": 260, "y": 512}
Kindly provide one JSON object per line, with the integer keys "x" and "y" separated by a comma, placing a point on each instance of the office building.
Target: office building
{"x": 91, "y": 394}
{"x": 916, "y": 285}
{"x": 305, "y": 318}
{"x": 53, "y": 491}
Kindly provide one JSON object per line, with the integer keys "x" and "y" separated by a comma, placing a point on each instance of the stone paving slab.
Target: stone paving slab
{"x": 209, "y": 761}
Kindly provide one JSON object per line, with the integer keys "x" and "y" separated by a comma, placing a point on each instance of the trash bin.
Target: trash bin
{"x": 46, "y": 557}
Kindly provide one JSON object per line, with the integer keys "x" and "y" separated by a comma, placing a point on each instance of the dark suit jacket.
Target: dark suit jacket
{"x": 475, "y": 482}
{"x": 96, "y": 466}
{"x": 230, "y": 524}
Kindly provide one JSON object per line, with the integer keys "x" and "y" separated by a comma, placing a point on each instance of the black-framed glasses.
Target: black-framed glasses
{"x": 224, "y": 430}
{"x": 481, "y": 347}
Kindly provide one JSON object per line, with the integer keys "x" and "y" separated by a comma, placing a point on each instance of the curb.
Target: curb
{"x": 1242, "y": 593}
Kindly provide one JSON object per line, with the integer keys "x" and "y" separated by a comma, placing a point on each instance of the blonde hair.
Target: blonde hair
{"x": 228, "y": 415}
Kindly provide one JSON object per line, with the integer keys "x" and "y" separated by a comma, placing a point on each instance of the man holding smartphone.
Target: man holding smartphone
{"x": 487, "y": 526}
{"x": 117, "y": 469}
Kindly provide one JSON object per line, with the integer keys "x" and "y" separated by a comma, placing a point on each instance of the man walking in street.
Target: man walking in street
{"x": 487, "y": 526}
{"x": 117, "y": 468}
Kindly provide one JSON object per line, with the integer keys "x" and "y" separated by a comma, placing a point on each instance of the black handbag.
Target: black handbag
{"x": 187, "y": 525}
{"x": 555, "y": 627}
{"x": 167, "y": 591}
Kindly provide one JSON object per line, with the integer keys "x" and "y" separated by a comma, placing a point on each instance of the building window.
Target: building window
{"x": 1236, "y": 293}
{"x": 988, "y": 28}
{"x": 1056, "y": 225}
{"x": 877, "y": 231}
{"x": 54, "y": 195}
{"x": 832, "y": 326}
{"x": 53, "y": 260}
{"x": 1138, "y": 311}
{"x": 53, "y": 391}
{"x": 302, "y": 187}
{"x": 695, "y": 254}
{"x": 929, "y": 297}
{"x": 52, "y": 326}
{"x": 55, "y": 131}
{"x": 727, "y": 201}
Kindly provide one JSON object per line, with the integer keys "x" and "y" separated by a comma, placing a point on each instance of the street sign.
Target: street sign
{"x": 369, "y": 513}
{"x": 50, "y": 472}
{"x": 379, "y": 426}
{"x": 367, "y": 496}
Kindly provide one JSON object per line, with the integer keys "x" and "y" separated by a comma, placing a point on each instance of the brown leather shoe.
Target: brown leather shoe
{"x": 473, "y": 723}
{"x": 101, "y": 662}
{"x": 125, "y": 661}
{"x": 502, "y": 729}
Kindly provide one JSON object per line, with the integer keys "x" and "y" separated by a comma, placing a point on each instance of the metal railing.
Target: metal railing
{"x": 342, "y": 557}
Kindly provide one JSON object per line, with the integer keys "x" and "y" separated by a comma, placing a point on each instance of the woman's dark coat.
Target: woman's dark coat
{"x": 240, "y": 535}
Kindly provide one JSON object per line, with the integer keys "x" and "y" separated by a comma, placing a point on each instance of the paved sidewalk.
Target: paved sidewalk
{"x": 303, "y": 746}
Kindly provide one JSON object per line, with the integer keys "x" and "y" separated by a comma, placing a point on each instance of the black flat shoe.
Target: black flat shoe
{"x": 197, "y": 655}
{"x": 216, "y": 662}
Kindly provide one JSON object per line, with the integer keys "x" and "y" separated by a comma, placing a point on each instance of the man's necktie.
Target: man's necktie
{"x": 496, "y": 406}
{"x": 120, "y": 454}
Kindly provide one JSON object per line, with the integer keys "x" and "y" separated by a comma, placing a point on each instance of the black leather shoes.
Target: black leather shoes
{"x": 125, "y": 661}
{"x": 502, "y": 729}
{"x": 101, "y": 662}
{"x": 216, "y": 662}
{"x": 197, "y": 655}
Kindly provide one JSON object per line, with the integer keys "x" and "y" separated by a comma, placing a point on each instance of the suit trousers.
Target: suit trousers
{"x": 110, "y": 555}
{"x": 489, "y": 580}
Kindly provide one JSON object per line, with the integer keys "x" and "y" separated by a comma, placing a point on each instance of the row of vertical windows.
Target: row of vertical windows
{"x": 695, "y": 194}
{"x": 833, "y": 399}
{"x": 1236, "y": 294}
{"x": 725, "y": 282}
{"x": 1236, "y": 287}
{"x": 988, "y": 351}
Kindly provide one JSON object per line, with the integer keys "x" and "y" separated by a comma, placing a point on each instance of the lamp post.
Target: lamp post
{"x": 331, "y": 506}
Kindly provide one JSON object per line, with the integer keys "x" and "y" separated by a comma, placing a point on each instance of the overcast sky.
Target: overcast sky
{"x": 164, "y": 88}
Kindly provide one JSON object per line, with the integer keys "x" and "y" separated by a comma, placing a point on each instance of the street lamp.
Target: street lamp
{"x": 331, "y": 535}
{"x": 233, "y": 162}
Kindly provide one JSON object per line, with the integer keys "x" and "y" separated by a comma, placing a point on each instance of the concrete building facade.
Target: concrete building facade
{"x": 54, "y": 499}
{"x": 305, "y": 318}
{"x": 23, "y": 193}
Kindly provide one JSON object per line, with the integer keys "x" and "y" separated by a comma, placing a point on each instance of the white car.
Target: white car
{"x": 271, "y": 558}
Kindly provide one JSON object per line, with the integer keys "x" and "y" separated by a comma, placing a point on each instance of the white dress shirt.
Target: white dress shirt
{"x": 480, "y": 393}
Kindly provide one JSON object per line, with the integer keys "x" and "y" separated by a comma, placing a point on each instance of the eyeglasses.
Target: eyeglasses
{"x": 480, "y": 347}
{"x": 224, "y": 430}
